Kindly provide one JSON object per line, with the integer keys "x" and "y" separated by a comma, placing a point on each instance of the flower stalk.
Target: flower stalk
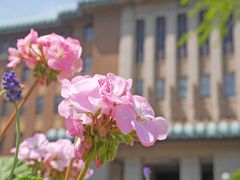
{"x": 69, "y": 169}
{"x": 84, "y": 170}
{"x": 17, "y": 141}
{"x": 20, "y": 105}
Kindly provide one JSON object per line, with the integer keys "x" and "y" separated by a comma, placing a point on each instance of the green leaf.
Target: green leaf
{"x": 6, "y": 165}
{"x": 236, "y": 175}
{"x": 184, "y": 2}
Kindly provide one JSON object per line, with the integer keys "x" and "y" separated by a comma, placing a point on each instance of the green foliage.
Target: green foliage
{"x": 236, "y": 175}
{"x": 6, "y": 166}
{"x": 217, "y": 13}
{"x": 42, "y": 71}
{"x": 30, "y": 178}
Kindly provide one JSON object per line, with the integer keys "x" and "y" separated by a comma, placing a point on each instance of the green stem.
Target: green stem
{"x": 68, "y": 173}
{"x": 84, "y": 170}
{"x": 17, "y": 141}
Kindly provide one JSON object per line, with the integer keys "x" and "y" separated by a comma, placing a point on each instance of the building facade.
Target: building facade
{"x": 197, "y": 88}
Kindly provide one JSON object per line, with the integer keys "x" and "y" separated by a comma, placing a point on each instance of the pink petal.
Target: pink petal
{"x": 74, "y": 127}
{"x": 66, "y": 88}
{"x": 162, "y": 126}
{"x": 64, "y": 108}
{"x": 145, "y": 134}
{"x": 123, "y": 115}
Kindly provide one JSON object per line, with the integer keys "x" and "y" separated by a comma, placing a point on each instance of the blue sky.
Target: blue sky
{"x": 24, "y": 11}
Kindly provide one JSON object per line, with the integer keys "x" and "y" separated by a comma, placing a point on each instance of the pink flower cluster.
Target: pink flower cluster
{"x": 51, "y": 52}
{"x": 102, "y": 105}
{"x": 52, "y": 157}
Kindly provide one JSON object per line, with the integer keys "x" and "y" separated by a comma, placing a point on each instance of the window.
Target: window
{"x": 139, "y": 40}
{"x": 58, "y": 100}
{"x": 25, "y": 74}
{"x": 5, "y": 46}
{"x": 4, "y": 110}
{"x": 228, "y": 39}
{"x": 204, "y": 48}
{"x": 139, "y": 87}
{"x": 206, "y": 171}
{"x": 87, "y": 64}
{"x": 182, "y": 87}
{"x": 229, "y": 85}
{"x": 205, "y": 86}
{"x": 23, "y": 110}
{"x": 39, "y": 104}
{"x": 13, "y": 43}
{"x": 160, "y": 89}
{"x": 160, "y": 41}
{"x": 88, "y": 33}
{"x": 166, "y": 171}
{"x": 182, "y": 29}
{"x": 1, "y": 144}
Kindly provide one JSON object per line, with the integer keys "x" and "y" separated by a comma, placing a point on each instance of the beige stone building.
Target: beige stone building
{"x": 196, "y": 87}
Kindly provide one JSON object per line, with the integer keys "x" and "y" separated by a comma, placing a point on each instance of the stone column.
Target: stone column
{"x": 193, "y": 70}
{"x": 127, "y": 42}
{"x": 236, "y": 38}
{"x": 171, "y": 64}
{"x": 225, "y": 162}
{"x": 216, "y": 74}
{"x": 101, "y": 173}
{"x": 132, "y": 169}
{"x": 190, "y": 169}
{"x": 149, "y": 58}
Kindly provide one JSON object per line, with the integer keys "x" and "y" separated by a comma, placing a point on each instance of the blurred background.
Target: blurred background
{"x": 195, "y": 86}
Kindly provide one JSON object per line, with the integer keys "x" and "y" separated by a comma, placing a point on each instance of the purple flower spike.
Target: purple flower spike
{"x": 11, "y": 85}
{"x": 147, "y": 172}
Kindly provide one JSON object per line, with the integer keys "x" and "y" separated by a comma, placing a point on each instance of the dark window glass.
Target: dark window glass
{"x": 88, "y": 33}
{"x": 4, "y": 109}
{"x": 139, "y": 40}
{"x": 205, "y": 86}
{"x": 204, "y": 48}
{"x": 58, "y": 100}
{"x": 229, "y": 85}
{"x": 206, "y": 171}
{"x": 228, "y": 38}
{"x": 116, "y": 172}
{"x": 25, "y": 74}
{"x": 39, "y": 104}
{"x": 87, "y": 65}
{"x": 160, "y": 41}
{"x": 182, "y": 29}
{"x": 160, "y": 89}
{"x": 139, "y": 87}
{"x": 168, "y": 171}
{"x": 182, "y": 87}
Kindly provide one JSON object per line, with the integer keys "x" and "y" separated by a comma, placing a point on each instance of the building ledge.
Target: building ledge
{"x": 188, "y": 131}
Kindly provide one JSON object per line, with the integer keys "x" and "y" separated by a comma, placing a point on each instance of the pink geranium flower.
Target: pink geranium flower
{"x": 32, "y": 150}
{"x": 115, "y": 89}
{"x": 14, "y": 57}
{"x": 56, "y": 56}
{"x": 58, "y": 154}
{"x": 101, "y": 112}
{"x": 139, "y": 116}
{"x": 62, "y": 54}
